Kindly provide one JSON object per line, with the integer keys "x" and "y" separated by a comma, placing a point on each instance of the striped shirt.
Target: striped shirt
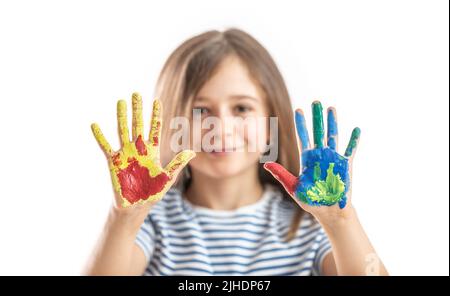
{"x": 180, "y": 238}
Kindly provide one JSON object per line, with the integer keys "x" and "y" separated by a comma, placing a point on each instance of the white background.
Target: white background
{"x": 64, "y": 64}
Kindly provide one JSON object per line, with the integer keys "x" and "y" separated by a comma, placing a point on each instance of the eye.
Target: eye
{"x": 242, "y": 109}
{"x": 203, "y": 110}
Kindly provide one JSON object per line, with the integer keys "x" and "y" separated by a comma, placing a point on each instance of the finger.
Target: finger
{"x": 155, "y": 128}
{"x": 179, "y": 162}
{"x": 123, "y": 122}
{"x": 317, "y": 124}
{"x": 101, "y": 140}
{"x": 302, "y": 131}
{"x": 353, "y": 143}
{"x": 332, "y": 129}
{"x": 137, "y": 122}
{"x": 286, "y": 179}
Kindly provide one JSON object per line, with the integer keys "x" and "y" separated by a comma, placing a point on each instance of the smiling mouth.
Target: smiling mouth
{"x": 220, "y": 154}
{"x": 226, "y": 151}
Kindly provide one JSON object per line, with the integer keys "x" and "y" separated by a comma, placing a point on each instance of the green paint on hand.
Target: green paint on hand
{"x": 328, "y": 191}
{"x": 317, "y": 172}
{"x": 353, "y": 141}
{"x": 318, "y": 130}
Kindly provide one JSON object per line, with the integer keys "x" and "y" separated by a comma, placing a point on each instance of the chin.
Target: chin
{"x": 221, "y": 167}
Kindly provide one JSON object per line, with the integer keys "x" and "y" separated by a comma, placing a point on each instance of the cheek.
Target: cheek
{"x": 255, "y": 136}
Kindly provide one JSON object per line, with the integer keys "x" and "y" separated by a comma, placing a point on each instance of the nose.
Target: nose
{"x": 220, "y": 127}
{"x": 226, "y": 123}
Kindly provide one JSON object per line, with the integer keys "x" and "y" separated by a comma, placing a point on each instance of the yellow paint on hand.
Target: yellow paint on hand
{"x": 145, "y": 153}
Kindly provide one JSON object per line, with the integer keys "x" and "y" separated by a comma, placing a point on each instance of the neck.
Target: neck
{"x": 225, "y": 193}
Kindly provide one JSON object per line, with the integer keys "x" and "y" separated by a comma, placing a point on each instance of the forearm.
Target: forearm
{"x": 114, "y": 250}
{"x": 352, "y": 251}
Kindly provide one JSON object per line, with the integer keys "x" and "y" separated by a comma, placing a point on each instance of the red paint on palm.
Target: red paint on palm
{"x": 137, "y": 184}
{"x": 116, "y": 159}
{"x": 140, "y": 146}
{"x": 288, "y": 180}
{"x": 155, "y": 138}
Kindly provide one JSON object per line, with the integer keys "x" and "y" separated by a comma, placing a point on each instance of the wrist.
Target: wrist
{"x": 338, "y": 220}
{"x": 126, "y": 221}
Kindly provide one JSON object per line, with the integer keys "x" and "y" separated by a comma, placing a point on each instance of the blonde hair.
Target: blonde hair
{"x": 194, "y": 62}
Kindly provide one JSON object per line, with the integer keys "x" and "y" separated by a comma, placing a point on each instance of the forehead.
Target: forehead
{"x": 231, "y": 79}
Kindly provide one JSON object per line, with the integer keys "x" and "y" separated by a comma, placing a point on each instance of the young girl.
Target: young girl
{"x": 226, "y": 214}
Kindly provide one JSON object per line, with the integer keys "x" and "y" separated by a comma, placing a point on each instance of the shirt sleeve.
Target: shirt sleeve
{"x": 323, "y": 248}
{"x": 145, "y": 238}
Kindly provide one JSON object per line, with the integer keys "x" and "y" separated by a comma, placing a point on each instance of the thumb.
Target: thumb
{"x": 286, "y": 179}
{"x": 179, "y": 162}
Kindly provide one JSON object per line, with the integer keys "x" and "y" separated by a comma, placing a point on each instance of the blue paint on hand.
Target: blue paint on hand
{"x": 332, "y": 129}
{"x": 325, "y": 178}
{"x": 302, "y": 130}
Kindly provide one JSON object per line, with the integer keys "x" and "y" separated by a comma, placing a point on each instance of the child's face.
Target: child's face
{"x": 230, "y": 96}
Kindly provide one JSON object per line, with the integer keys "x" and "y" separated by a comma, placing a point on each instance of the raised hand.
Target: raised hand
{"x": 136, "y": 172}
{"x": 325, "y": 174}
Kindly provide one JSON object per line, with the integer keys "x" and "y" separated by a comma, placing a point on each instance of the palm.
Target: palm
{"x": 324, "y": 179}
{"x": 136, "y": 171}
{"x": 325, "y": 174}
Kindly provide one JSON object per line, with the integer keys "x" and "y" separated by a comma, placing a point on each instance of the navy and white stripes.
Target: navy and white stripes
{"x": 179, "y": 238}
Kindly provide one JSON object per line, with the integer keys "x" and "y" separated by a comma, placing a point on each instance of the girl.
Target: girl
{"x": 226, "y": 214}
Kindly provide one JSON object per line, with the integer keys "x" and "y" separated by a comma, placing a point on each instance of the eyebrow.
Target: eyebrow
{"x": 244, "y": 97}
{"x": 236, "y": 97}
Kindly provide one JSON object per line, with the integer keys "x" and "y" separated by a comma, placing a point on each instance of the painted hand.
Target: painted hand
{"x": 325, "y": 174}
{"x": 136, "y": 171}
